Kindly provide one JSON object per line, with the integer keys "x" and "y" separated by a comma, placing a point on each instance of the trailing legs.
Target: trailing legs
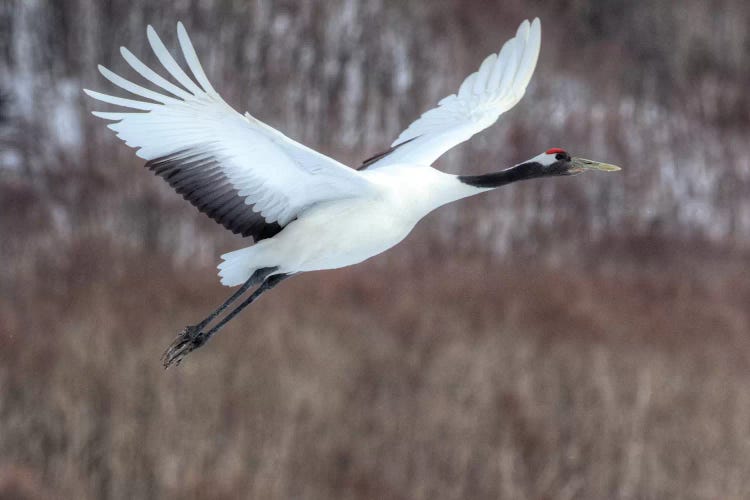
{"x": 192, "y": 336}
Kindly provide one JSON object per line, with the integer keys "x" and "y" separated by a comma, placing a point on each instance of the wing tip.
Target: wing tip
{"x": 528, "y": 29}
{"x": 105, "y": 72}
{"x": 153, "y": 37}
{"x": 106, "y": 115}
{"x": 92, "y": 93}
{"x": 536, "y": 28}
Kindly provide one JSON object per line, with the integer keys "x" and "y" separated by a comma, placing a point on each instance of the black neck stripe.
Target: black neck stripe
{"x": 497, "y": 179}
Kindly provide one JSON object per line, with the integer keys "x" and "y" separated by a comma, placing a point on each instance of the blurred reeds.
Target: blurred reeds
{"x": 516, "y": 381}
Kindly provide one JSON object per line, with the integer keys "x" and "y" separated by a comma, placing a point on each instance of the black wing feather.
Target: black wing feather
{"x": 199, "y": 178}
{"x": 383, "y": 154}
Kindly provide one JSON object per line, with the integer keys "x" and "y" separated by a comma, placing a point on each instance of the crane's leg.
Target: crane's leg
{"x": 193, "y": 336}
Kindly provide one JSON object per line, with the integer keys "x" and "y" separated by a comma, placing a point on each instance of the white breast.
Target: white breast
{"x": 340, "y": 234}
{"x": 345, "y": 232}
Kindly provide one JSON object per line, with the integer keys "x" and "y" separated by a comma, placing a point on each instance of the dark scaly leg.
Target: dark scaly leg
{"x": 193, "y": 336}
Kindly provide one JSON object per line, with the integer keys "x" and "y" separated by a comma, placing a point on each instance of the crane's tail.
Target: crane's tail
{"x": 237, "y": 267}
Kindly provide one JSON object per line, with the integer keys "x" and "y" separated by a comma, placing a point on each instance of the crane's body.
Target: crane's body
{"x": 345, "y": 232}
{"x": 304, "y": 210}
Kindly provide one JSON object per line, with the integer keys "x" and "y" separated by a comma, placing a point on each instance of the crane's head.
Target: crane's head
{"x": 556, "y": 161}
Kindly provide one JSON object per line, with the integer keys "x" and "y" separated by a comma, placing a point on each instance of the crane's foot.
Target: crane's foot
{"x": 189, "y": 339}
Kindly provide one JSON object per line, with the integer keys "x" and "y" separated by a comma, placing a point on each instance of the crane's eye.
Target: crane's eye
{"x": 560, "y": 156}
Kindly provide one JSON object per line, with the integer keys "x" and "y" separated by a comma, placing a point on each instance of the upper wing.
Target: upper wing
{"x": 493, "y": 89}
{"x": 244, "y": 174}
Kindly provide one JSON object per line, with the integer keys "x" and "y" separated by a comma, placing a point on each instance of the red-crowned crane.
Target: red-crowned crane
{"x": 304, "y": 210}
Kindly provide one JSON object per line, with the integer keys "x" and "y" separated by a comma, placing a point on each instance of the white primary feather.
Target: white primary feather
{"x": 498, "y": 84}
{"x": 277, "y": 176}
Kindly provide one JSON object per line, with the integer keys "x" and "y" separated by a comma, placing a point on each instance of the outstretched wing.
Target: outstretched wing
{"x": 498, "y": 84}
{"x": 241, "y": 172}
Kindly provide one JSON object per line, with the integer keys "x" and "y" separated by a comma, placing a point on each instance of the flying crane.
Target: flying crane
{"x": 304, "y": 210}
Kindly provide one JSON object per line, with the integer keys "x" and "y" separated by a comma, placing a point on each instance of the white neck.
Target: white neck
{"x": 420, "y": 189}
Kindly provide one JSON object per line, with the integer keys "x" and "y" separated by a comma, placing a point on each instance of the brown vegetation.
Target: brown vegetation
{"x": 516, "y": 381}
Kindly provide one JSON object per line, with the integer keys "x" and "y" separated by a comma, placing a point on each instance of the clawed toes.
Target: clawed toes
{"x": 189, "y": 339}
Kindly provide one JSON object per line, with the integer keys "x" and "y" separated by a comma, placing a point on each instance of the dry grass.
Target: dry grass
{"x": 511, "y": 382}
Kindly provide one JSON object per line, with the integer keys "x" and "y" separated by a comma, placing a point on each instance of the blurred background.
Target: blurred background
{"x": 583, "y": 337}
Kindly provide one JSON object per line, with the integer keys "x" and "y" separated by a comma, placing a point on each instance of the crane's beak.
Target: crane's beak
{"x": 581, "y": 165}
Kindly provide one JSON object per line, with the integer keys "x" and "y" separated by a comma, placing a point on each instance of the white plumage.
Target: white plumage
{"x": 307, "y": 210}
{"x": 275, "y": 175}
{"x": 498, "y": 84}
